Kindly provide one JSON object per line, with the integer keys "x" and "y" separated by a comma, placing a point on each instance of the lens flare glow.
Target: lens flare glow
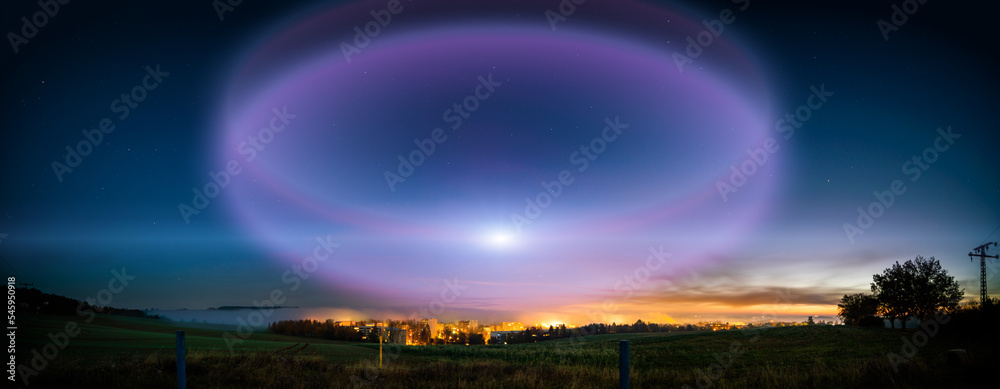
{"x": 501, "y": 239}
{"x": 349, "y": 125}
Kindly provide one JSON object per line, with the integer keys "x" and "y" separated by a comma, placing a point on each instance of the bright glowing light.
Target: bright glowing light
{"x": 501, "y": 239}
{"x": 483, "y": 215}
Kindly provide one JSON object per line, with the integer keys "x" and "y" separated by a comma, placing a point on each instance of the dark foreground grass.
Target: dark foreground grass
{"x": 814, "y": 356}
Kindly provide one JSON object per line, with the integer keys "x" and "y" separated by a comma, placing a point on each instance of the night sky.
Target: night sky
{"x": 606, "y": 161}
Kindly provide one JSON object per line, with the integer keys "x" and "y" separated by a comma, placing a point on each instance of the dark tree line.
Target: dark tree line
{"x": 535, "y": 334}
{"x": 33, "y": 300}
{"x": 315, "y": 329}
{"x": 918, "y": 288}
{"x": 451, "y": 336}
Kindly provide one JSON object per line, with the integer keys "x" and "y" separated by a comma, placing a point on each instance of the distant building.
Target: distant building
{"x": 364, "y": 330}
{"x": 509, "y": 326}
{"x": 494, "y": 335}
{"x": 396, "y": 335}
{"x": 432, "y": 326}
{"x": 468, "y": 325}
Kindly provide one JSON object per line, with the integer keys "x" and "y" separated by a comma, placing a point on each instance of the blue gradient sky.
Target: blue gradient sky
{"x": 642, "y": 231}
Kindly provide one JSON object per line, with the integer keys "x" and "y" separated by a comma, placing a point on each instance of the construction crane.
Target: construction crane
{"x": 981, "y": 253}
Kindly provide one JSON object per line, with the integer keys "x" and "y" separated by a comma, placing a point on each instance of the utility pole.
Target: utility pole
{"x": 981, "y": 253}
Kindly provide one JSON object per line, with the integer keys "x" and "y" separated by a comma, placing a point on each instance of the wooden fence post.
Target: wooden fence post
{"x": 181, "y": 365}
{"x": 623, "y": 364}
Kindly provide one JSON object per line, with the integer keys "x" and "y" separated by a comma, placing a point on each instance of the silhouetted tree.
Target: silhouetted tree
{"x": 919, "y": 287}
{"x": 855, "y": 307}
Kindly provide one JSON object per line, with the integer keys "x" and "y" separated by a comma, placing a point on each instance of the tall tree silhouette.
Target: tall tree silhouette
{"x": 919, "y": 287}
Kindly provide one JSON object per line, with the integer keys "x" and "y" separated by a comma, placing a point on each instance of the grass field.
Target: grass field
{"x": 125, "y": 352}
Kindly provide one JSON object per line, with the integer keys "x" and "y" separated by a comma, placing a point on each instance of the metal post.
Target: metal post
{"x": 982, "y": 281}
{"x": 623, "y": 364}
{"x": 981, "y": 253}
{"x": 181, "y": 366}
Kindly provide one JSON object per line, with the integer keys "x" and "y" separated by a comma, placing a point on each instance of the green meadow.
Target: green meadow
{"x": 125, "y": 352}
